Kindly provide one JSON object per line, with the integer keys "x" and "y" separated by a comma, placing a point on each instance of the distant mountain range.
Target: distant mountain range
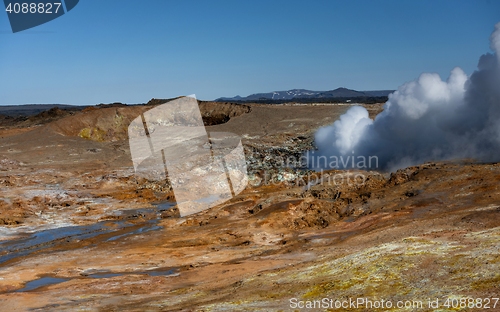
{"x": 307, "y": 94}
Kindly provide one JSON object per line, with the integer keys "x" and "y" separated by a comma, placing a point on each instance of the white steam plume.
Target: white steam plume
{"x": 426, "y": 119}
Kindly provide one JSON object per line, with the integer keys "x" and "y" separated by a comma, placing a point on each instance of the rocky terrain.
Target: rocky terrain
{"x": 78, "y": 230}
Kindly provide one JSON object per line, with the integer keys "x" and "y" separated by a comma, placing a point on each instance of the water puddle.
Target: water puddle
{"x": 165, "y": 206}
{"x": 143, "y": 229}
{"x": 46, "y": 281}
{"x": 162, "y": 272}
{"x": 52, "y": 237}
{"x": 133, "y": 222}
{"x": 104, "y": 275}
{"x": 41, "y": 282}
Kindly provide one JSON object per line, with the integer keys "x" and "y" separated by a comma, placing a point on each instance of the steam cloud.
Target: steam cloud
{"x": 426, "y": 119}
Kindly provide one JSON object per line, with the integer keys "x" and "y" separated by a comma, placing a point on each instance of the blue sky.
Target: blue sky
{"x": 131, "y": 51}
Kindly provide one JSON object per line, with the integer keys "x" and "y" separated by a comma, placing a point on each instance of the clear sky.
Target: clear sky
{"x": 131, "y": 51}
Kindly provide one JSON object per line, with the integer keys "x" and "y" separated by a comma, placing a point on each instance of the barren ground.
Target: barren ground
{"x": 79, "y": 231}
